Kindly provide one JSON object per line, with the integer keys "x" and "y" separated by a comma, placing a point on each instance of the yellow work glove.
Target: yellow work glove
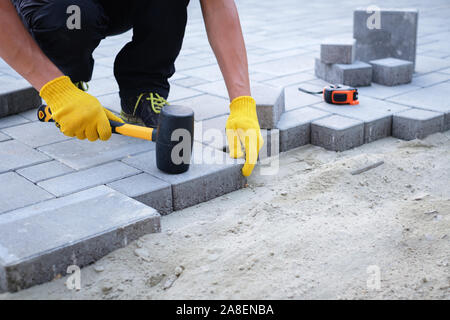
{"x": 78, "y": 113}
{"x": 242, "y": 128}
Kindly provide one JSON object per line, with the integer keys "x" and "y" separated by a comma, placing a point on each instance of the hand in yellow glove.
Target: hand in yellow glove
{"x": 77, "y": 112}
{"x": 242, "y": 127}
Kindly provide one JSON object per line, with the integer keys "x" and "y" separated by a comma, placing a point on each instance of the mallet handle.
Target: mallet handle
{"x": 45, "y": 115}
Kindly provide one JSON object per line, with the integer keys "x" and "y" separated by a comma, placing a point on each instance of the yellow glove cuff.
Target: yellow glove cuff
{"x": 244, "y": 106}
{"x": 58, "y": 91}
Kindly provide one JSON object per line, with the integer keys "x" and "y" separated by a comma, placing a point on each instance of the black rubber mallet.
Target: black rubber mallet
{"x": 174, "y": 136}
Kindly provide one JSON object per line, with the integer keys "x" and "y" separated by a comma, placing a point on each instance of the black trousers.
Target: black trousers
{"x": 144, "y": 65}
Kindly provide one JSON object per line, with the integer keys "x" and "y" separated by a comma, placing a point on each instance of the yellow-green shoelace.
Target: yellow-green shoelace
{"x": 157, "y": 102}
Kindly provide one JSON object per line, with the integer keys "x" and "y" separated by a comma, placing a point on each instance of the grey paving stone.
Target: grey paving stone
{"x": 101, "y": 71}
{"x": 12, "y": 121}
{"x": 337, "y": 133}
{"x": 217, "y": 88}
{"x": 111, "y": 102}
{"x": 376, "y": 115}
{"x": 397, "y": 37}
{"x": 338, "y": 51}
{"x": 191, "y": 63}
{"x": 269, "y": 101}
{"x": 4, "y": 137}
{"x": 19, "y": 192}
{"x": 206, "y": 106}
{"x": 189, "y": 82}
{"x": 104, "y": 86}
{"x": 44, "y": 171}
{"x": 417, "y": 124}
{"x": 179, "y": 93}
{"x": 291, "y": 79}
{"x": 428, "y": 64}
{"x": 85, "y": 179}
{"x": 15, "y": 155}
{"x": 430, "y": 79}
{"x": 30, "y": 115}
{"x": 260, "y": 77}
{"x": 391, "y": 71}
{"x": 295, "y": 127}
{"x": 357, "y": 74}
{"x": 212, "y": 132}
{"x": 208, "y": 73}
{"x": 295, "y": 99}
{"x": 40, "y": 242}
{"x": 269, "y": 105}
{"x": 36, "y": 134}
{"x": 16, "y": 97}
{"x": 285, "y": 66}
{"x": 383, "y": 92}
{"x": 271, "y": 146}
{"x": 148, "y": 190}
{"x": 434, "y": 98}
{"x": 79, "y": 154}
{"x": 212, "y": 174}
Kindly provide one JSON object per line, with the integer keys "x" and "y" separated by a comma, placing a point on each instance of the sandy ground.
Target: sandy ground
{"x": 310, "y": 232}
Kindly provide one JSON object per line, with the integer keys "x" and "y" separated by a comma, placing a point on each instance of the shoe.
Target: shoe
{"x": 83, "y": 86}
{"x": 146, "y": 110}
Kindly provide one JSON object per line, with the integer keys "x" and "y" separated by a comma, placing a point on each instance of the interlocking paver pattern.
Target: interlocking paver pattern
{"x": 283, "y": 39}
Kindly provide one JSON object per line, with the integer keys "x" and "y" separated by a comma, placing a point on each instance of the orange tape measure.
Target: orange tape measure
{"x": 337, "y": 94}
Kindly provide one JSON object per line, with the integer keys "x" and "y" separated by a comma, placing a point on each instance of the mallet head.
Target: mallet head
{"x": 174, "y": 139}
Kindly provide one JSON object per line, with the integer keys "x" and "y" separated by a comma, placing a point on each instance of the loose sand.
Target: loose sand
{"x": 310, "y": 232}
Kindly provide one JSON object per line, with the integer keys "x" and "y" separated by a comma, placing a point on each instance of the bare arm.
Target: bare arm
{"x": 226, "y": 39}
{"x": 21, "y": 52}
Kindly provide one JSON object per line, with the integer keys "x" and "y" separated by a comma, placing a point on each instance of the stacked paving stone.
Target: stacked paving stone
{"x": 337, "y": 64}
{"x": 384, "y": 55}
{"x": 390, "y": 49}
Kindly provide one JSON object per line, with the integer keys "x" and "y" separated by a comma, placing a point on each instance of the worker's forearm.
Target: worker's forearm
{"x": 226, "y": 39}
{"x": 21, "y": 52}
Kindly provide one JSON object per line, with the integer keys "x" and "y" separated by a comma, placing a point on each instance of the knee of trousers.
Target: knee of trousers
{"x": 69, "y": 20}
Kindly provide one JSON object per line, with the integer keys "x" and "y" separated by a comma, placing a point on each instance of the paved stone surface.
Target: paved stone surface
{"x": 429, "y": 79}
{"x": 417, "y": 124}
{"x": 4, "y": 137}
{"x": 19, "y": 192}
{"x": 212, "y": 132}
{"x": 295, "y": 127}
{"x": 30, "y": 115}
{"x": 15, "y": 155}
{"x": 146, "y": 189}
{"x": 391, "y": 71}
{"x": 85, "y": 179}
{"x": 357, "y": 74}
{"x": 42, "y": 241}
{"x": 36, "y": 134}
{"x": 212, "y": 174}
{"x": 295, "y": 99}
{"x": 45, "y": 171}
{"x": 280, "y": 54}
{"x": 338, "y": 51}
{"x": 383, "y": 92}
{"x": 12, "y": 121}
{"x": 337, "y": 133}
{"x": 376, "y": 115}
{"x": 425, "y": 64}
{"x": 396, "y": 38}
{"x": 79, "y": 154}
{"x": 433, "y": 98}
{"x": 206, "y": 106}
